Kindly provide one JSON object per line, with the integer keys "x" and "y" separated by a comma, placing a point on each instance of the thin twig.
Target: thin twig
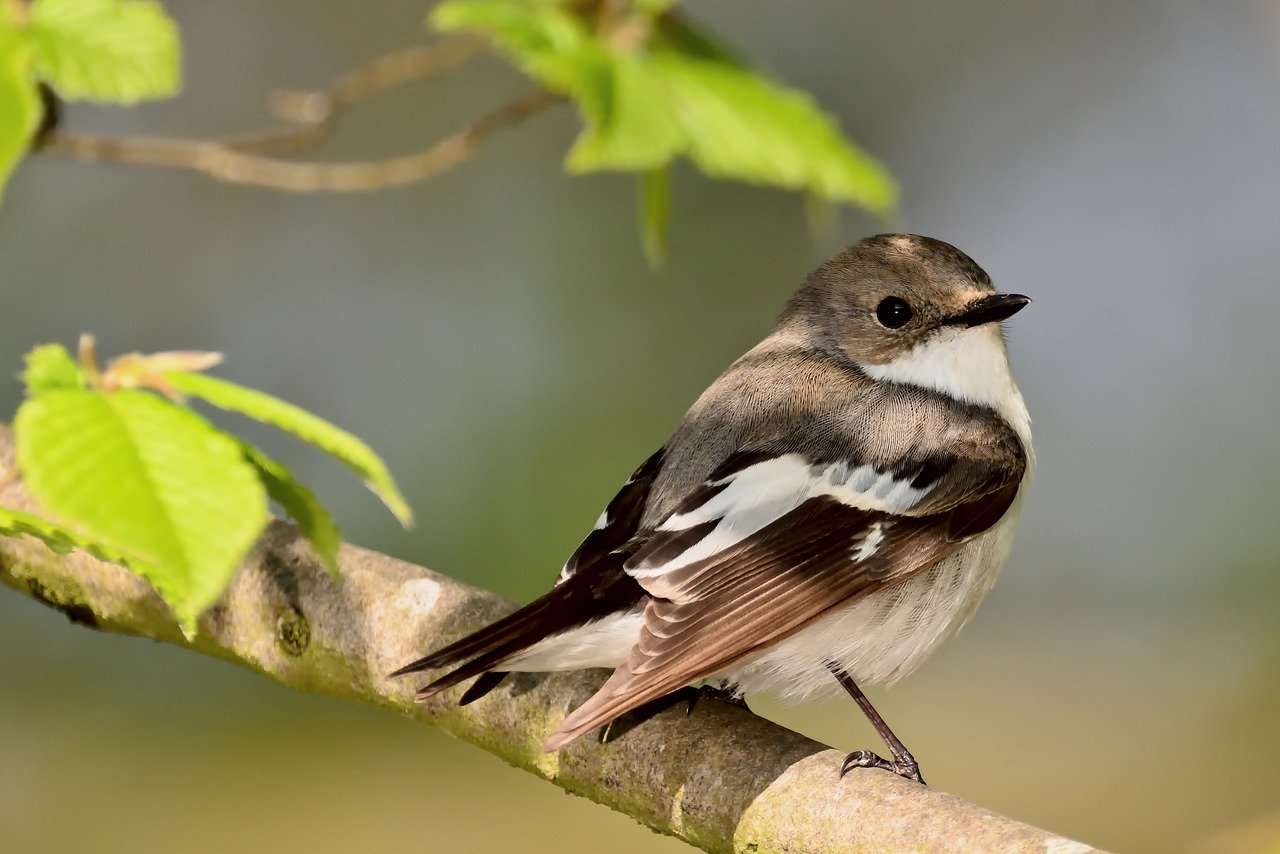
{"x": 242, "y": 160}
{"x": 317, "y": 111}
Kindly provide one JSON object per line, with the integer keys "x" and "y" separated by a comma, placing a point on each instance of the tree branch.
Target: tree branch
{"x": 721, "y": 779}
{"x": 313, "y": 117}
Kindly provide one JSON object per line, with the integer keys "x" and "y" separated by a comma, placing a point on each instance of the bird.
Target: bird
{"x": 833, "y": 507}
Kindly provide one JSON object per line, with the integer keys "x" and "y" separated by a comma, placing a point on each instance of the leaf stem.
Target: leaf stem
{"x": 88, "y": 350}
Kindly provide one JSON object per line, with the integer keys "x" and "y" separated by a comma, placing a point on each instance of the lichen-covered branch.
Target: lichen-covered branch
{"x": 720, "y": 778}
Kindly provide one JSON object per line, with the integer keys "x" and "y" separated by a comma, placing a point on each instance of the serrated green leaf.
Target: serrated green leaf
{"x": 312, "y": 429}
{"x": 145, "y": 477}
{"x": 626, "y": 125}
{"x": 300, "y": 503}
{"x": 119, "y": 51}
{"x": 655, "y": 213}
{"x": 555, "y": 47}
{"x": 744, "y": 126}
{"x": 19, "y": 103}
{"x": 681, "y": 94}
{"x": 630, "y": 126}
{"x": 524, "y": 26}
{"x": 529, "y": 32}
{"x": 546, "y": 41}
{"x": 61, "y": 539}
{"x": 51, "y": 368}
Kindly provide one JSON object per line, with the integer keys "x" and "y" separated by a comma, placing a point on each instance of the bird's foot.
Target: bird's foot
{"x": 904, "y": 766}
{"x": 723, "y": 692}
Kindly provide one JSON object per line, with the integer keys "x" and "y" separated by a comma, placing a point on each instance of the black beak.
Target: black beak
{"x": 990, "y": 309}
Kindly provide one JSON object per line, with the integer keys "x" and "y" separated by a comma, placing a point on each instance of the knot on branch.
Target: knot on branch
{"x": 293, "y": 632}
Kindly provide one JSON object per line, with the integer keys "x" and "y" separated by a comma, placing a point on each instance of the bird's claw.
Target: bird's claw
{"x": 904, "y": 767}
{"x": 722, "y": 693}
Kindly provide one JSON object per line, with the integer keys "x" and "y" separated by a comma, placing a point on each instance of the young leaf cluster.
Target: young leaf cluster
{"x": 111, "y": 51}
{"x": 128, "y": 472}
{"x": 652, "y": 89}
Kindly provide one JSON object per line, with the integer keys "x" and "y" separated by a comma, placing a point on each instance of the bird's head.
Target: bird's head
{"x": 891, "y": 297}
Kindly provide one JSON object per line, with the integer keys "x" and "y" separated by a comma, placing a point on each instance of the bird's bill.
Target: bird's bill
{"x": 990, "y": 309}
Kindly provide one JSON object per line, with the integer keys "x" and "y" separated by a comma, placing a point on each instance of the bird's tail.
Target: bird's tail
{"x": 482, "y": 650}
{"x": 575, "y": 601}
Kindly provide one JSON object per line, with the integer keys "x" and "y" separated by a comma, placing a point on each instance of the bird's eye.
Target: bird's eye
{"x": 893, "y": 312}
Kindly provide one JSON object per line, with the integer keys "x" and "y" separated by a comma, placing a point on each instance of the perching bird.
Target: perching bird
{"x": 830, "y": 510}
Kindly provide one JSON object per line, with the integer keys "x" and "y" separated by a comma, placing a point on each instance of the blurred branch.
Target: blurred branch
{"x": 313, "y": 117}
{"x": 317, "y": 112}
{"x": 721, "y": 778}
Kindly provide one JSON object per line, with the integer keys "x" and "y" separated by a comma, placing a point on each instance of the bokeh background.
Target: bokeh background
{"x": 498, "y": 336}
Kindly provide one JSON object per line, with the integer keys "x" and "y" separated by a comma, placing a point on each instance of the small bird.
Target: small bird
{"x": 833, "y": 507}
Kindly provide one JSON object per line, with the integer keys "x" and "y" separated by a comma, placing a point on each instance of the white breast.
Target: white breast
{"x": 882, "y": 637}
{"x": 969, "y": 364}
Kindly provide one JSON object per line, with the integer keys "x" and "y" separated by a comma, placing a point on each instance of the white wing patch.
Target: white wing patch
{"x": 866, "y": 546}
{"x": 766, "y": 491}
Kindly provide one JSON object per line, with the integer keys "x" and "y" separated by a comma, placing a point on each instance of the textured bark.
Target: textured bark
{"x": 721, "y": 779}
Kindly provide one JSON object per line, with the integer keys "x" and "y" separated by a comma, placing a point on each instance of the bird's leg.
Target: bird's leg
{"x": 724, "y": 692}
{"x": 903, "y": 764}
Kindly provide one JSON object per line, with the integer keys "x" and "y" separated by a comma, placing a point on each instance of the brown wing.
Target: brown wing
{"x": 731, "y": 606}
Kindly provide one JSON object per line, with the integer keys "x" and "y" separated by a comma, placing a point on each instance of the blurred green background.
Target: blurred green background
{"x": 498, "y": 336}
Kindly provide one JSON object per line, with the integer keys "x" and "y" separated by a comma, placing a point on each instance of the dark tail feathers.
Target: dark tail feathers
{"x": 580, "y": 599}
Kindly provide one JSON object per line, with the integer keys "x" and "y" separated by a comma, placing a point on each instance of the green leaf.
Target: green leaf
{"x": 313, "y": 429}
{"x": 625, "y": 125}
{"x": 631, "y": 124}
{"x": 61, "y": 539}
{"x": 679, "y": 94}
{"x": 145, "y": 477}
{"x": 300, "y": 503}
{"x": 527, "y": 29}
{"x": 51, "y": 368}
{"x": 546, "y": 41}
{"x": 19, "y": 103}
{"x": 655, "y": 213}
{"x": 744, "y": 126}
{"x": 119, "y": 51}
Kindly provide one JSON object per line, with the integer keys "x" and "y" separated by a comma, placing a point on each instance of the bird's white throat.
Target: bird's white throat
{"x": 969, "y": 364}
